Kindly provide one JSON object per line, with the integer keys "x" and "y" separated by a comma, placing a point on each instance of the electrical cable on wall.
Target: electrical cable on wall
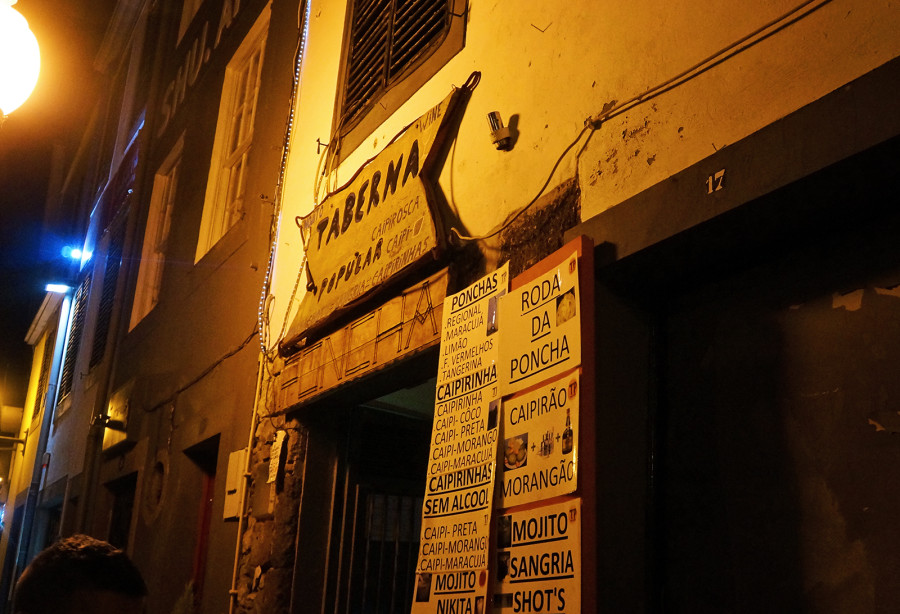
{"x": 265, "y": 296}
{"x": 174, "y": 396}
{"x": 594, "y": 122}
{"x": 263, "y": 383}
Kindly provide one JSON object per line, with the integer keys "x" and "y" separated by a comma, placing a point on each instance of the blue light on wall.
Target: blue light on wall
{"x": 76, "y": 253}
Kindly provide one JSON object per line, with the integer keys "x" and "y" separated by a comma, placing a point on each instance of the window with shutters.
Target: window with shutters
{"x": 44, "y": 378}
{"x": 393, "y": 47}
{"x": 156, "y": 236}
{"x": 224, "y": 204}
{"x": 76, "y": 330}
{"x": 108, "y": 294}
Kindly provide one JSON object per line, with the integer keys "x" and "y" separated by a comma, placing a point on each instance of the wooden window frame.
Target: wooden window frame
{"x": 156, "y": 235}
{"x": 398, "y": 86}
{"x": 224, "y": 203}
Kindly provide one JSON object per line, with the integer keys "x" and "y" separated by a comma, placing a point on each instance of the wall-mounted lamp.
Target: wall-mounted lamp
{"x": 501, "y": 136}
{"x": 20, "y": 59}
{"x": 57, "y": 288}
{"x": 106, "y": 422}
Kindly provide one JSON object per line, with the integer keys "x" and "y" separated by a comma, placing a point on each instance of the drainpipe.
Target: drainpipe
{"x": 43, "y": 437}
{"x": 302, "y": 21}
{"x": 94, "y": 444}
{"x": 117, "y": 330}
{"x": 254, "y": 421}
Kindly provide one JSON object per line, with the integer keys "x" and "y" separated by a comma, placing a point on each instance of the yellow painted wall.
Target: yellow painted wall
{"x": 557, "y": 64}
{"x": 22, "y": 465}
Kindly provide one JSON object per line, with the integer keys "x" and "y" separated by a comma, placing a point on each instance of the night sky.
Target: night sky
{"x": 69, "y": 34}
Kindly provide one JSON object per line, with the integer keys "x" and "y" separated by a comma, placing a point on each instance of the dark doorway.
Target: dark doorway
{"x": 122, "y": 492}
{"x": 361, "y": 504}
{"x": 377, "y": 512}
{"x": 205, "y": 457}
{"x": 778, "y": 417}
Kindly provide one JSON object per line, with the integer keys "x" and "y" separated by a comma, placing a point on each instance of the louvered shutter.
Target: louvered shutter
{"x": 43, "y": 380}
{"x": 74, "y": 342}
{"x": 417, "y": 23}
{"x": 386, "y": 38}
{"x": 108, "y": 297}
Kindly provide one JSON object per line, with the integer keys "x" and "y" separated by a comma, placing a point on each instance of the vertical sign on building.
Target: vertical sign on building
{"x": 275, "y": 455}
{"x": 538, "y": 556}
{"x": 539, "y": 560}
{"x": 541, "y": 328}
{"x": 451, "y": 575}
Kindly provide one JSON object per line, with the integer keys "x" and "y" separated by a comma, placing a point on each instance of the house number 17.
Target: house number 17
{"x": 715, "y": 182}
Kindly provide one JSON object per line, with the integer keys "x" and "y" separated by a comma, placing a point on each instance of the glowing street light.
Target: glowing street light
{"x": 20, "y": 59}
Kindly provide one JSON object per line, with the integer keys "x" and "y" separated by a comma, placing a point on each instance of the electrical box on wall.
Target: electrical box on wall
{"x": 234, "y": 484}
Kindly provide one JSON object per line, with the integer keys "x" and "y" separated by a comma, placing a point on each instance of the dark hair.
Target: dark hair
{"x": 77, "y": 563}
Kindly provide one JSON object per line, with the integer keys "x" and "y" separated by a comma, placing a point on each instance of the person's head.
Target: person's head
{"x": 77, "y": 575}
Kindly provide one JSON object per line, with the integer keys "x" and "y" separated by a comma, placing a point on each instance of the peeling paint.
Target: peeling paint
{"x": 850, "y": 301}
{"x": 892, "y": 291}
{"x": 885, "y": 420}
{"x": 606, "y": 107}
{"x": 612, "y": 160}
{"x": 641, "y": 130}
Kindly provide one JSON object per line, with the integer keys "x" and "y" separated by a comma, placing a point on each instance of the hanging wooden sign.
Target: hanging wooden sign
{"x": 399, "y": 328}
{"x": 376, "y": 228}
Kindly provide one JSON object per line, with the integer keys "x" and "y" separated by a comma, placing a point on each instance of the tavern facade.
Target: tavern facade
{"x": 297, "y": 188}
{"x": 714, "y": 161}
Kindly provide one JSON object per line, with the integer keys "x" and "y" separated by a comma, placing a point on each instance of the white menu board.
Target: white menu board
{"x": 541, "y": 332}
{"x": 463, "y": 591}
{"x": 538, "y": 560}
{"x": 539, "y": 442}
{"x": 459, "y": 488}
